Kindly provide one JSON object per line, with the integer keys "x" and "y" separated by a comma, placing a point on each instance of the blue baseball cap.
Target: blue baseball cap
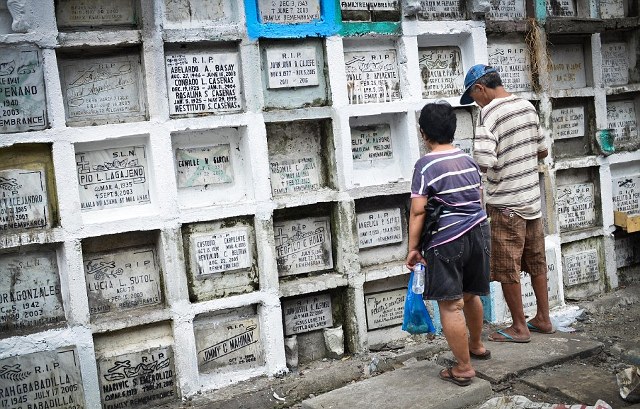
{"x": 473, "y": 75}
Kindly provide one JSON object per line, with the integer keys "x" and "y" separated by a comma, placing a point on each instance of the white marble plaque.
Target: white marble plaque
{"x": 47, "y": 379}
{"x": 122, "y": 280}
{"x": 575, "y": 205}
{"x": 626, "y": 194}
{"x": 561, "y": 8}
{"x": 568, "y": 122}
{"x": 512, "y": 63}
{"x": 581, "y": 267}
{"x": 371, "y": 143}
{"x": 370, "y": 5}
{"x": 379, "y": 228}
{"x": 507, "y": 10}
{"x": 95, "y": 13}
{"x": 291, "y": 67}
{"x": 22, "y": 95}
{"x": 289, "y": 11}
{"x": 615, "y": 64}
{"x": 465, "y": 145}
{"x": 440, "y": 10}
{"x": 385, "y": 309}
{"x": 627, "y": 251}
{"x": 441, "y": 72}
{"x": 611, "y": 8}
{"x": 102, "y": 89}
{"x": 307, "y": 314}
{"x": 23, "y": 200}
{"x": 210, "y": 165}
{"x": 112, "y": 178}
{"x": 372, "y": 76}
{"x": 203, "y": 82}
{"x": 141, "y": 379}
{"x": 294, "y": 175}
{"x": 29, "y": 291}
{"x": 197, "y": 11}
{"x": 568, "y": 68}
{"x": 233, "y": 344}
{"x": 622, "y": 120}
{"x": 303, "y": 245}
{"x": 221, "y": 251}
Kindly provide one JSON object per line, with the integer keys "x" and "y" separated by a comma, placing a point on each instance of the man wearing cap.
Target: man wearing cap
{"x": 507, "y": 146}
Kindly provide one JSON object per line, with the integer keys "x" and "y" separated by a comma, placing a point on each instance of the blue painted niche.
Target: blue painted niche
{"x": 327, "y": 25}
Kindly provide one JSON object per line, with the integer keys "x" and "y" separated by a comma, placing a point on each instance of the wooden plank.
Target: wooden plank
{"x": 630, "y": 223}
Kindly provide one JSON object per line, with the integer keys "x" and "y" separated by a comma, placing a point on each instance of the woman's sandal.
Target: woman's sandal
{"x": 447, "y": 375}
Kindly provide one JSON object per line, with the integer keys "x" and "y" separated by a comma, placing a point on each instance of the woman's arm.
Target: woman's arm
{"x": 417, "y": 215}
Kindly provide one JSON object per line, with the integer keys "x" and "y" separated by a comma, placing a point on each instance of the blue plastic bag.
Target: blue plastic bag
{"x": 416, "y": 317}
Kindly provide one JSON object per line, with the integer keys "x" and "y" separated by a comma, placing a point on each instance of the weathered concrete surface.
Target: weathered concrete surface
{"x": 413, "y": 386}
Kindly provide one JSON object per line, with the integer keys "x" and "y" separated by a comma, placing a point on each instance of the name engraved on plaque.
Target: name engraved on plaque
{"x": 465, "y": 145}
{"x": 568, "y": 68}
{"x": 581, "y": 267}
{"x": 372, "y": 76}
{"x": 441, "y": 71}
{"x": 102, "y": 88}
{"x": 379, "y": 228}
{"x": 289, "y": 11}
{"x": 561, "y": 8}
{"x": 203, "y": 82}
{"x": 371, "y": 143}
{"x": 22, "y": 96}
{"x": 626, "y": 194}
{"x": 575, "y": 205}
{"x": 47, "y": 379}
{"x": 204, "y": 166}
{"x": 568, "y": 122}
{"x": 290, "y": 67}
{"x": 440, "y": 10}
{"x": 611, "y": 8}
{"x": 507, "y": 10}
{"x": 23, "y": 200}
{"x": 112, "y": 178}
{"x": 513, "y": 64}
{"x": 95, "y": 13}
{"x": 139, "y": 379}
{"x": 385, "y": 309}
{"x": 294, "y": 175}
{"x": 223, "y": 251}
{"x": 307, "y": 314}
{"x": 122, "y": 280}
{"x": 369, "y": 5}
{"x": 29, "y": 291}
{"x": 622, "y": 120}
{"x": 303, "y": 245}
{"x": 627, "y": 251}
{"x": 234, "y": 344}
{"x": 615, "y": 64}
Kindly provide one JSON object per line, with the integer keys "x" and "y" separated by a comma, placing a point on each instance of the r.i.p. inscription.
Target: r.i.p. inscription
{"x": 512, "y": 62}
{"x": 385, "y": 309}
{"x": 307, "y": 314}
{"x": 568, "y": 122}
{"x": 370, "y": 143}
{"x": 303, "y": 245}
{"x": 576, "y": 206}
{"x": 441, "y": 71}
{"x": 581, "y": 267}
{"x": 623, "y": 121}
{"x": 615, "y": 64}
{"x": 372, "y": 76}
{"x": 379, "y": 227}
{"x": 626, "y": 194}
{"x": 291, "y": 67}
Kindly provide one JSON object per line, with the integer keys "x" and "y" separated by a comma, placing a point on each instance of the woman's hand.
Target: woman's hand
{"x": 414, "y": 257}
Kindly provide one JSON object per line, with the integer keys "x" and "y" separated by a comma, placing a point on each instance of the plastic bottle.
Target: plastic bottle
{"x": 417, "y": 286}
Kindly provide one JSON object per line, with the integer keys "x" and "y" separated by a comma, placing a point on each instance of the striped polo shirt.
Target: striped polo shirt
{"x": 452, "y": 178}
{"x": 507, "y": 143}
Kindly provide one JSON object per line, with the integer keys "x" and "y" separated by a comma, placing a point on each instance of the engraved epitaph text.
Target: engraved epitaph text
{"x": 307, "y": 314}
{"x": 372, "y": 76}
{"x": 379, "y": 228}
{"x": 23, "y": 200}
{"x": 303, "y": 245}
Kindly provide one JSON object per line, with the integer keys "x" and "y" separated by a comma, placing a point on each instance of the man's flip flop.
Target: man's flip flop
{"x": 447, "y": 375}
{"x": 507, "y": 338}
{"x": 484, "y": 357}
{"x": 533, "y": 328}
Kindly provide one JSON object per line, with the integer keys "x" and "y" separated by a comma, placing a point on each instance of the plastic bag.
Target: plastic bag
{"x": 416, "y": 317}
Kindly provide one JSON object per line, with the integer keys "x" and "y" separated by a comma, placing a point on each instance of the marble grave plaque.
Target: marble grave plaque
{"x": 372, "y": 76}
{"x": 140, "y": 379}
{"x": 235, "y": 345}
{"x": 221, "y": 251}
{"x": 575, "y": 205}
{"x": 615, "y": 64}
{"x": 369, "y": 5}
{"x": 369, "y": 143}
{"x": 24, "y": 203}
{"x": 95, "y": 13}
{"x": 440, "y": 10}
{"x": 112, "y": 178}
{"x": 385, "y": 309}
{"x": 292, "y": 67}
{"x": 203, "y": 82}
{"x": 291, "y": 175}
{"x": 22, "y": 95}
{"x": 568, "y": 122}
{"x": 512, "y": 63}
{"x": 622, "y": 120}
{"x": 197, "y": 10}
{"x": 441, "y": 72}
{"x": 209, "y": 165}
{"x": 561, "y": 8}
{"x": 46, "y": 379}
{"x": 626, "y": 194}
{"x": 611, "y": 8}
{"x": 289, "y": 11}
{"x": 307, "y": 314}
{"x": 581, "y": 267}
{"x": 29, "y": 291}
{"x": 379, "y": 227}
{"x": 568, "y": 68}
{"x": 627, "y": 251}
{"x": 122, "y": 280}
{"x": 303, "y": 245}
{"x": 507, "y": 10}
